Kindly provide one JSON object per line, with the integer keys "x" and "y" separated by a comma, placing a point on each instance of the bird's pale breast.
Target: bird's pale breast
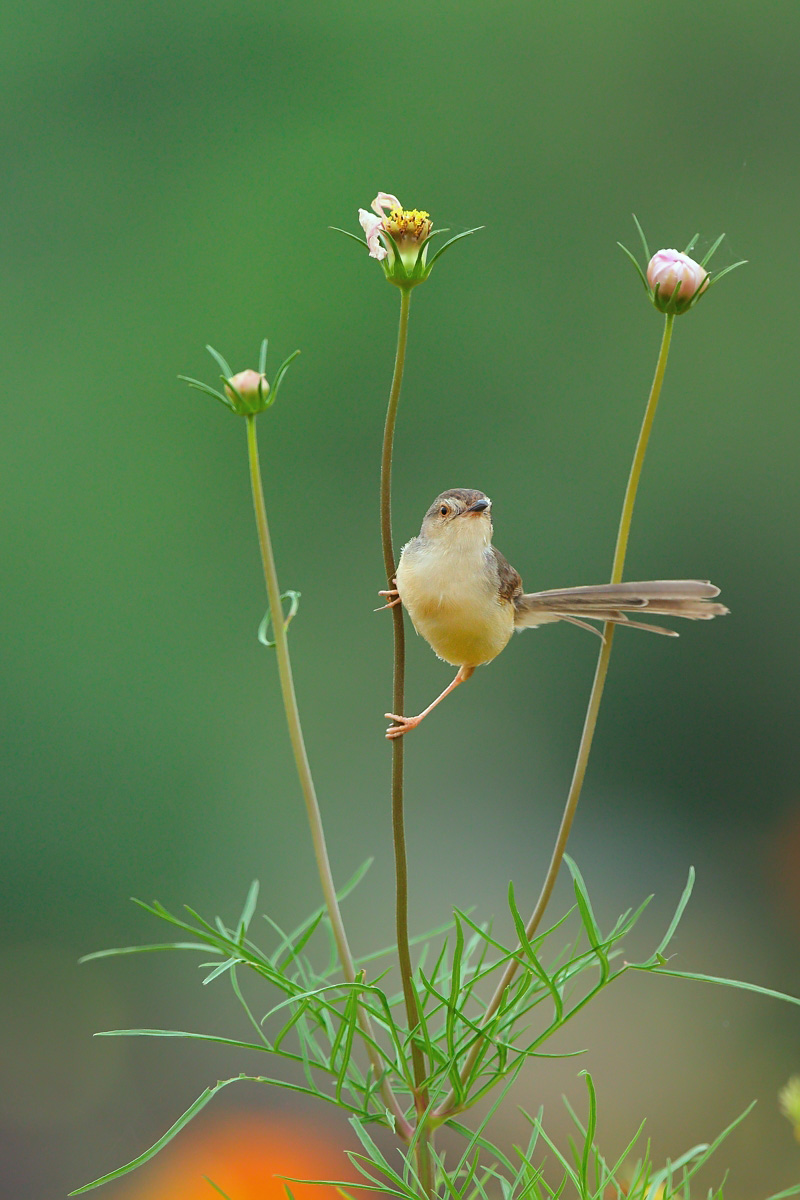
{"x": 454, "y": 604}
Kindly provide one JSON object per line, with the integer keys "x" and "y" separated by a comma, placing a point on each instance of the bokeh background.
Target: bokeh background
{"x": 169, "y": 174}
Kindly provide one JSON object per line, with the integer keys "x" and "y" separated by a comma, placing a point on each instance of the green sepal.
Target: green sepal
{"x": 347, "y": 233}
{"x": 282, "y": 369}
{"x": 451, "y": 242}
{"x": 670, "y": 306}
{"x": 635, "y": 262}
{"x": 224, "y": 366}
{"x": 209, "y": 391}
{"x": 710, "y": 253}
{"x": 395, "y": 271}
{"x": 422, "y": 269}
{"x": 646, "y": 248}
{"x": 741, "y": 263}
{"x": 242, "y": 406}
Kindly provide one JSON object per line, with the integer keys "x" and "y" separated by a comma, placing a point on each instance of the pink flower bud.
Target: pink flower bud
{"x": 677, "y": 276}
{"x": 252, "y": 390}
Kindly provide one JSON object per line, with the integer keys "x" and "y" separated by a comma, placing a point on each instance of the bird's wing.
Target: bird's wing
{"x": 509, "y": 581}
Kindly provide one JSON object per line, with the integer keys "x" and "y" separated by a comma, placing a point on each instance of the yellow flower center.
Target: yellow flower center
{"x": 411, "y": 223}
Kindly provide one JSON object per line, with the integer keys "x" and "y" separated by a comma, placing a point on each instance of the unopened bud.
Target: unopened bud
{"x": 676, "y": 281}
{"x": 247, "y": 392}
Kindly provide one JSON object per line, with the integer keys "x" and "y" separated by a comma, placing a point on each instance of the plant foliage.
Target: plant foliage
{"x": 310, "y": 1023}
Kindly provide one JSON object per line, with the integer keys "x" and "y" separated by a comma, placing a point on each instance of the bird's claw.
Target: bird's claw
{"x": 392, "y": 603}
{"x": 402, "y": 725}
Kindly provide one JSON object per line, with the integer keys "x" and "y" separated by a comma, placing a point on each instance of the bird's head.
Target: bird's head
{"x": 459, "y": 517}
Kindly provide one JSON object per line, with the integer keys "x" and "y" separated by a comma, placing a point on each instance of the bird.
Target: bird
{"x": 466, "y": 600}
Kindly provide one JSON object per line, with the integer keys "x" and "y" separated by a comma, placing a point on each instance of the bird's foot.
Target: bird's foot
{"x": 392, "y": 603}
{"x": 402, "y": 725}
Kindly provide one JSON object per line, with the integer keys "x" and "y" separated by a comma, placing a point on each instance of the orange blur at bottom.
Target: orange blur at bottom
{"x": 245, "y": 1156}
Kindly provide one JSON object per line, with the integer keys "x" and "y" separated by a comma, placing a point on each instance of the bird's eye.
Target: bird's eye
{"x": 444, "y": 510}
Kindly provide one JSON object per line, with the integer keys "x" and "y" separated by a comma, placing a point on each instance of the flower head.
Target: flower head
{"x": 398, "y": 239}
{"x": 674, "y": 277}
{"x": 674, "y": 281}
{"x": 247, "y": 392}
{"x": 408, "y": 230}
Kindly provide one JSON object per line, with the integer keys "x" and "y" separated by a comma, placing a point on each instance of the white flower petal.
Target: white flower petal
{"x": 385, "y": 200}
{"x": 372, "y": 227}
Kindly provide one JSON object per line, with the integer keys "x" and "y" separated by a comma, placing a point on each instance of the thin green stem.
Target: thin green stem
{"x": 398, "y": 702}
{"x": 638, "y": 457}
{"x": 398, "y": 693}
{"x": 304, "y": 771}
{"x": 593, "y": 707}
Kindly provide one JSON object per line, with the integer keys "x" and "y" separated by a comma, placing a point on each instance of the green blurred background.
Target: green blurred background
{"x": 170, "y": 171}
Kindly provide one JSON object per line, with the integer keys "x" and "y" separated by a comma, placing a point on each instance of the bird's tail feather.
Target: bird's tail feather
{"x": 690, "y": 598}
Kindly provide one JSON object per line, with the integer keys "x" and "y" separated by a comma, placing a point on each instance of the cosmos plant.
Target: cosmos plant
{"x": 477, "y": 1000}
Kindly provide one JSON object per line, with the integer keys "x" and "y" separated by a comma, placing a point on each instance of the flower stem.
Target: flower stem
{"x": 398, "y": 701}
{"x": 593, "y": 707}
{"x": 304, "y": 772}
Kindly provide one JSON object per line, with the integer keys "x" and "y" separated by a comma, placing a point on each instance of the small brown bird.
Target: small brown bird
{"x": 466, "y": 600}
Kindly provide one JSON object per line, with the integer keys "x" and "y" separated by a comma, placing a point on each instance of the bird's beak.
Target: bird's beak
{"x": 479, "y": 506}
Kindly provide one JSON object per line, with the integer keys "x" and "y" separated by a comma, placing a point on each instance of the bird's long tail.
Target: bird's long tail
{"x": 690, "y": 598}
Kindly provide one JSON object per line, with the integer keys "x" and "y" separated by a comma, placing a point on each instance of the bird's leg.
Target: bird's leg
{"x": 403, "y": 724}
{"x": 389, "y": 592}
